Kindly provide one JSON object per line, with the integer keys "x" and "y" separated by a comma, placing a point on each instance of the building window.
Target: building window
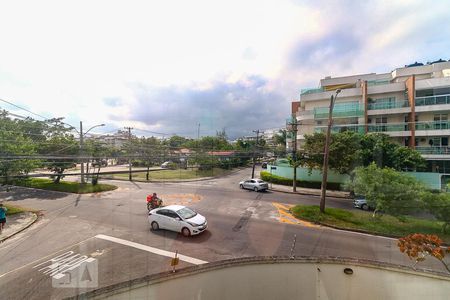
{"x": 381, "y": 123}
{"x": 441, "y": 121}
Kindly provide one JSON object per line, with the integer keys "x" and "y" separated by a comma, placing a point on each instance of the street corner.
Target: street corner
{"x": 18, "y": 223}
{"x": 181, "y": 199}
{"x": 284, "y": 215}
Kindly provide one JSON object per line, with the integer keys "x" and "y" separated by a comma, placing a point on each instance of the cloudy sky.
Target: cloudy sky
{"x": 165, "y": 66}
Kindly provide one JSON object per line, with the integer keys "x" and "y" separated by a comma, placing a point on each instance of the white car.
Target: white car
{"x": 177, "y": 218}
{"x": 254, "y": 184}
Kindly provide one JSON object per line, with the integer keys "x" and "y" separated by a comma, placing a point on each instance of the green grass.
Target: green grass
{"x": 65, "y": 186}
{"x": 12, "y": 210}
{"x": 361, "y": 220}
{"x": 176, "y": 174}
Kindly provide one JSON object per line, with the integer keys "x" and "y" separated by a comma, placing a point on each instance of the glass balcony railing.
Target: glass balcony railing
{"x": 378, "y": 82}
{"x": 388, "y": 127}
{"x": 311, "y": 91}
{"x": 434, "y": 150}
{"x": 388, "y": 105}
{"x": 433, "y": 100}
{"x": 340, "y": 110}
{"x": 342, "y": 128}
{"x": 436, "y": 125}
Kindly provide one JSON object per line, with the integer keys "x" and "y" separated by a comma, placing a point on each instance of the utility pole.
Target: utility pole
{"x": 129, "y": 156}
{"x": 254, "y": 152}
{"x": 81, "y": 152}
{"x": 294, "y": 125}
{"x": 326, "y": 153}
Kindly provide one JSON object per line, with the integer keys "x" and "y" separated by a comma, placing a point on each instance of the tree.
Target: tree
{"x": 15, "y": 146}
{"x": 388, "y": 190}
{"x": 379, "y": 148}
{"x": 344, "y": 151}
{"x": 150, "y": 153}
{"x": 176, "y": 141}
{"x": 280, "y": 137}
{"x": 438, "y": 204}
{"x": 62, "y": 151}
{"x": 419, "y": 246}
{"x": 349, "y": 150}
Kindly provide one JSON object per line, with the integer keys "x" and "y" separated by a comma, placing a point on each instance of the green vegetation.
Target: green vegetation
{"x": 349, "y": 150}
{"x": 266, "y": 176}
{"x": 64, "y": 186}
{"x": 398, "y": 194}
{"x": 12, "y": 210}
{"x": 175, "y": 174}
{"x": 363, "y": 221}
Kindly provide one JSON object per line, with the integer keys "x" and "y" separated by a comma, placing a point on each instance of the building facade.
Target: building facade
{"x": 410, "y": 104}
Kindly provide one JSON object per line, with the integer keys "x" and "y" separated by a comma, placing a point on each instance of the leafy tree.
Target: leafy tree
{"x": 150, "y": 152}
{"x": 176, "y": 141}
{"x": 419, "y": 246}
{"x": 344, "y": 151}
{"x": 349, "y": 150}
{"x": 280, "y": 137}
{"x": 62, "y": 151}
{"x": 14, "y": 149}
{"x": 388, "y": 190}
{"x": 205, "y": 161}
{"x": 438, "y": 204}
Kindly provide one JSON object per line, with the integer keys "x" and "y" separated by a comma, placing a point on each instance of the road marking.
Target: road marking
{"x": 285, "y": 215}
{"x": 151, "y": 249}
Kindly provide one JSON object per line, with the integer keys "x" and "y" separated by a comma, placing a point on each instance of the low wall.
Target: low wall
{"x": 431, "y": 180}
{"x": 284, "y": 278}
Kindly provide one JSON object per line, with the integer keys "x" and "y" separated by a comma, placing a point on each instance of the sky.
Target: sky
{"x": 167, "y": 66}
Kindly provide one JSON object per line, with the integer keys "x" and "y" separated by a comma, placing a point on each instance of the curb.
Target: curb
{"x": 35, "y": 218}
{"x": 308, "y": 194}
{"x": 395, "y": 237}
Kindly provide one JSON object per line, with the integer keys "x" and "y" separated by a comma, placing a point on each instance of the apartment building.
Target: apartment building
{"x": 410, "y": 104}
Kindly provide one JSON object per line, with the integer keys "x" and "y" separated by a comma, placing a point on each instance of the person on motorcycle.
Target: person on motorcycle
{"x": 153, "y": 201}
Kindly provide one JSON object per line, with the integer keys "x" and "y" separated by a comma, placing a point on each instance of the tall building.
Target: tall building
{"x": 410, "y": 104}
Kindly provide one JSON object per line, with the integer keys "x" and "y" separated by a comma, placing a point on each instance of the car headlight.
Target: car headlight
{"x": 193, "y": 224}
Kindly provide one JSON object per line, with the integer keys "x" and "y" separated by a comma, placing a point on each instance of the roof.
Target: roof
{"x": 173, "y": 207}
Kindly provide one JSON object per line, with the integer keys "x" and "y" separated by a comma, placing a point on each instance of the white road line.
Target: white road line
{"x": 151, "y": 249}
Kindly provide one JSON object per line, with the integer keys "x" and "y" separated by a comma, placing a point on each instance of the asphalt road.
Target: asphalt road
{"x": 112, "y": 228}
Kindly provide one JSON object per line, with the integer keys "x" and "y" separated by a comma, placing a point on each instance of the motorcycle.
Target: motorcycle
{"x": 154, "y": 204}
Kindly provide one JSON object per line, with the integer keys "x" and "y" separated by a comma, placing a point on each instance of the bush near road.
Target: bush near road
{"x": 363, "y": 221}
{"x": 64, "y": 186}
{"x": 12, "y": 210}
{"x": 266, "y": 176}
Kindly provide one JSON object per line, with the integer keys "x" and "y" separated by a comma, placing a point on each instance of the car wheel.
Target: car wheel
{"x": 255, "y": 189}
{"x": 364, "y": 207}
{"x": 185, "y": 232}
{"x": 155, "y": 226}
{"x": 241, "y": 186}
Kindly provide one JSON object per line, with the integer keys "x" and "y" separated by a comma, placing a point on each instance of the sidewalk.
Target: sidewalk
{"x": 307, "y": 191}
{"x": 16, "y": 223}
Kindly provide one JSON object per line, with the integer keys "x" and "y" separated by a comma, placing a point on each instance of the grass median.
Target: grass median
{"x": 12, "y": 210}
{"x": 180, "y": 174}
{"x": 65, "y": 186}
{"x": 363, "y": 221}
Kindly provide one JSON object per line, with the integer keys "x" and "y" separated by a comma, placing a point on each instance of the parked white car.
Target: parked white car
{"x": 177, "y": 218}
{"x": 254, "y": 184}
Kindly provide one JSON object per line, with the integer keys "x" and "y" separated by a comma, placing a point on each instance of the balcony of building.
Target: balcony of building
{"x": 340, "y": 110}
{"x": 433, "y": 103}
{"x": 433, "y": 128}
{"x": 341, "y": 128}
{"x": 388, "y": 106}
{"x": 391, "y": 129}
{"x": 305, "y": 115}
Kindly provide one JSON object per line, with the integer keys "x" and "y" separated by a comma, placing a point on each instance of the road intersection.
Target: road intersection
{"x": 112, "y": 229}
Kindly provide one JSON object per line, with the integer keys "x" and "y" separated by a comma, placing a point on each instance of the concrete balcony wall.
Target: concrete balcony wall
{"x": 432, "y": 83}
{"x": 284, "y": 278}
{"x": 401, "y": 110}
{"x": 385, "y": 88}
{"x": 434, "y": 108}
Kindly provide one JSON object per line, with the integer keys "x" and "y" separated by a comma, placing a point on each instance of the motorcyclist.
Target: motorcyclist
{"x": 153, "y": 201}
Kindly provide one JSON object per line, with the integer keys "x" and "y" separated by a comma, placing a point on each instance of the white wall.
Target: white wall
{"x": 289, "y": 279}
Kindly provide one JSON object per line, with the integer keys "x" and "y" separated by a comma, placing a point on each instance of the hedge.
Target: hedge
{"x": 266, "y": 176}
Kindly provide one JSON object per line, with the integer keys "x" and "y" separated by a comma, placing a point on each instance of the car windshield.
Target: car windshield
{"x": 186, "y": 213}
{"x": 259, "y": 181}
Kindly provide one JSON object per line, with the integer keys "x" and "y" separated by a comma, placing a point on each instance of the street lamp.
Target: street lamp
{"x": 325, "y": 155}
{"x": 81, "y": 146}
